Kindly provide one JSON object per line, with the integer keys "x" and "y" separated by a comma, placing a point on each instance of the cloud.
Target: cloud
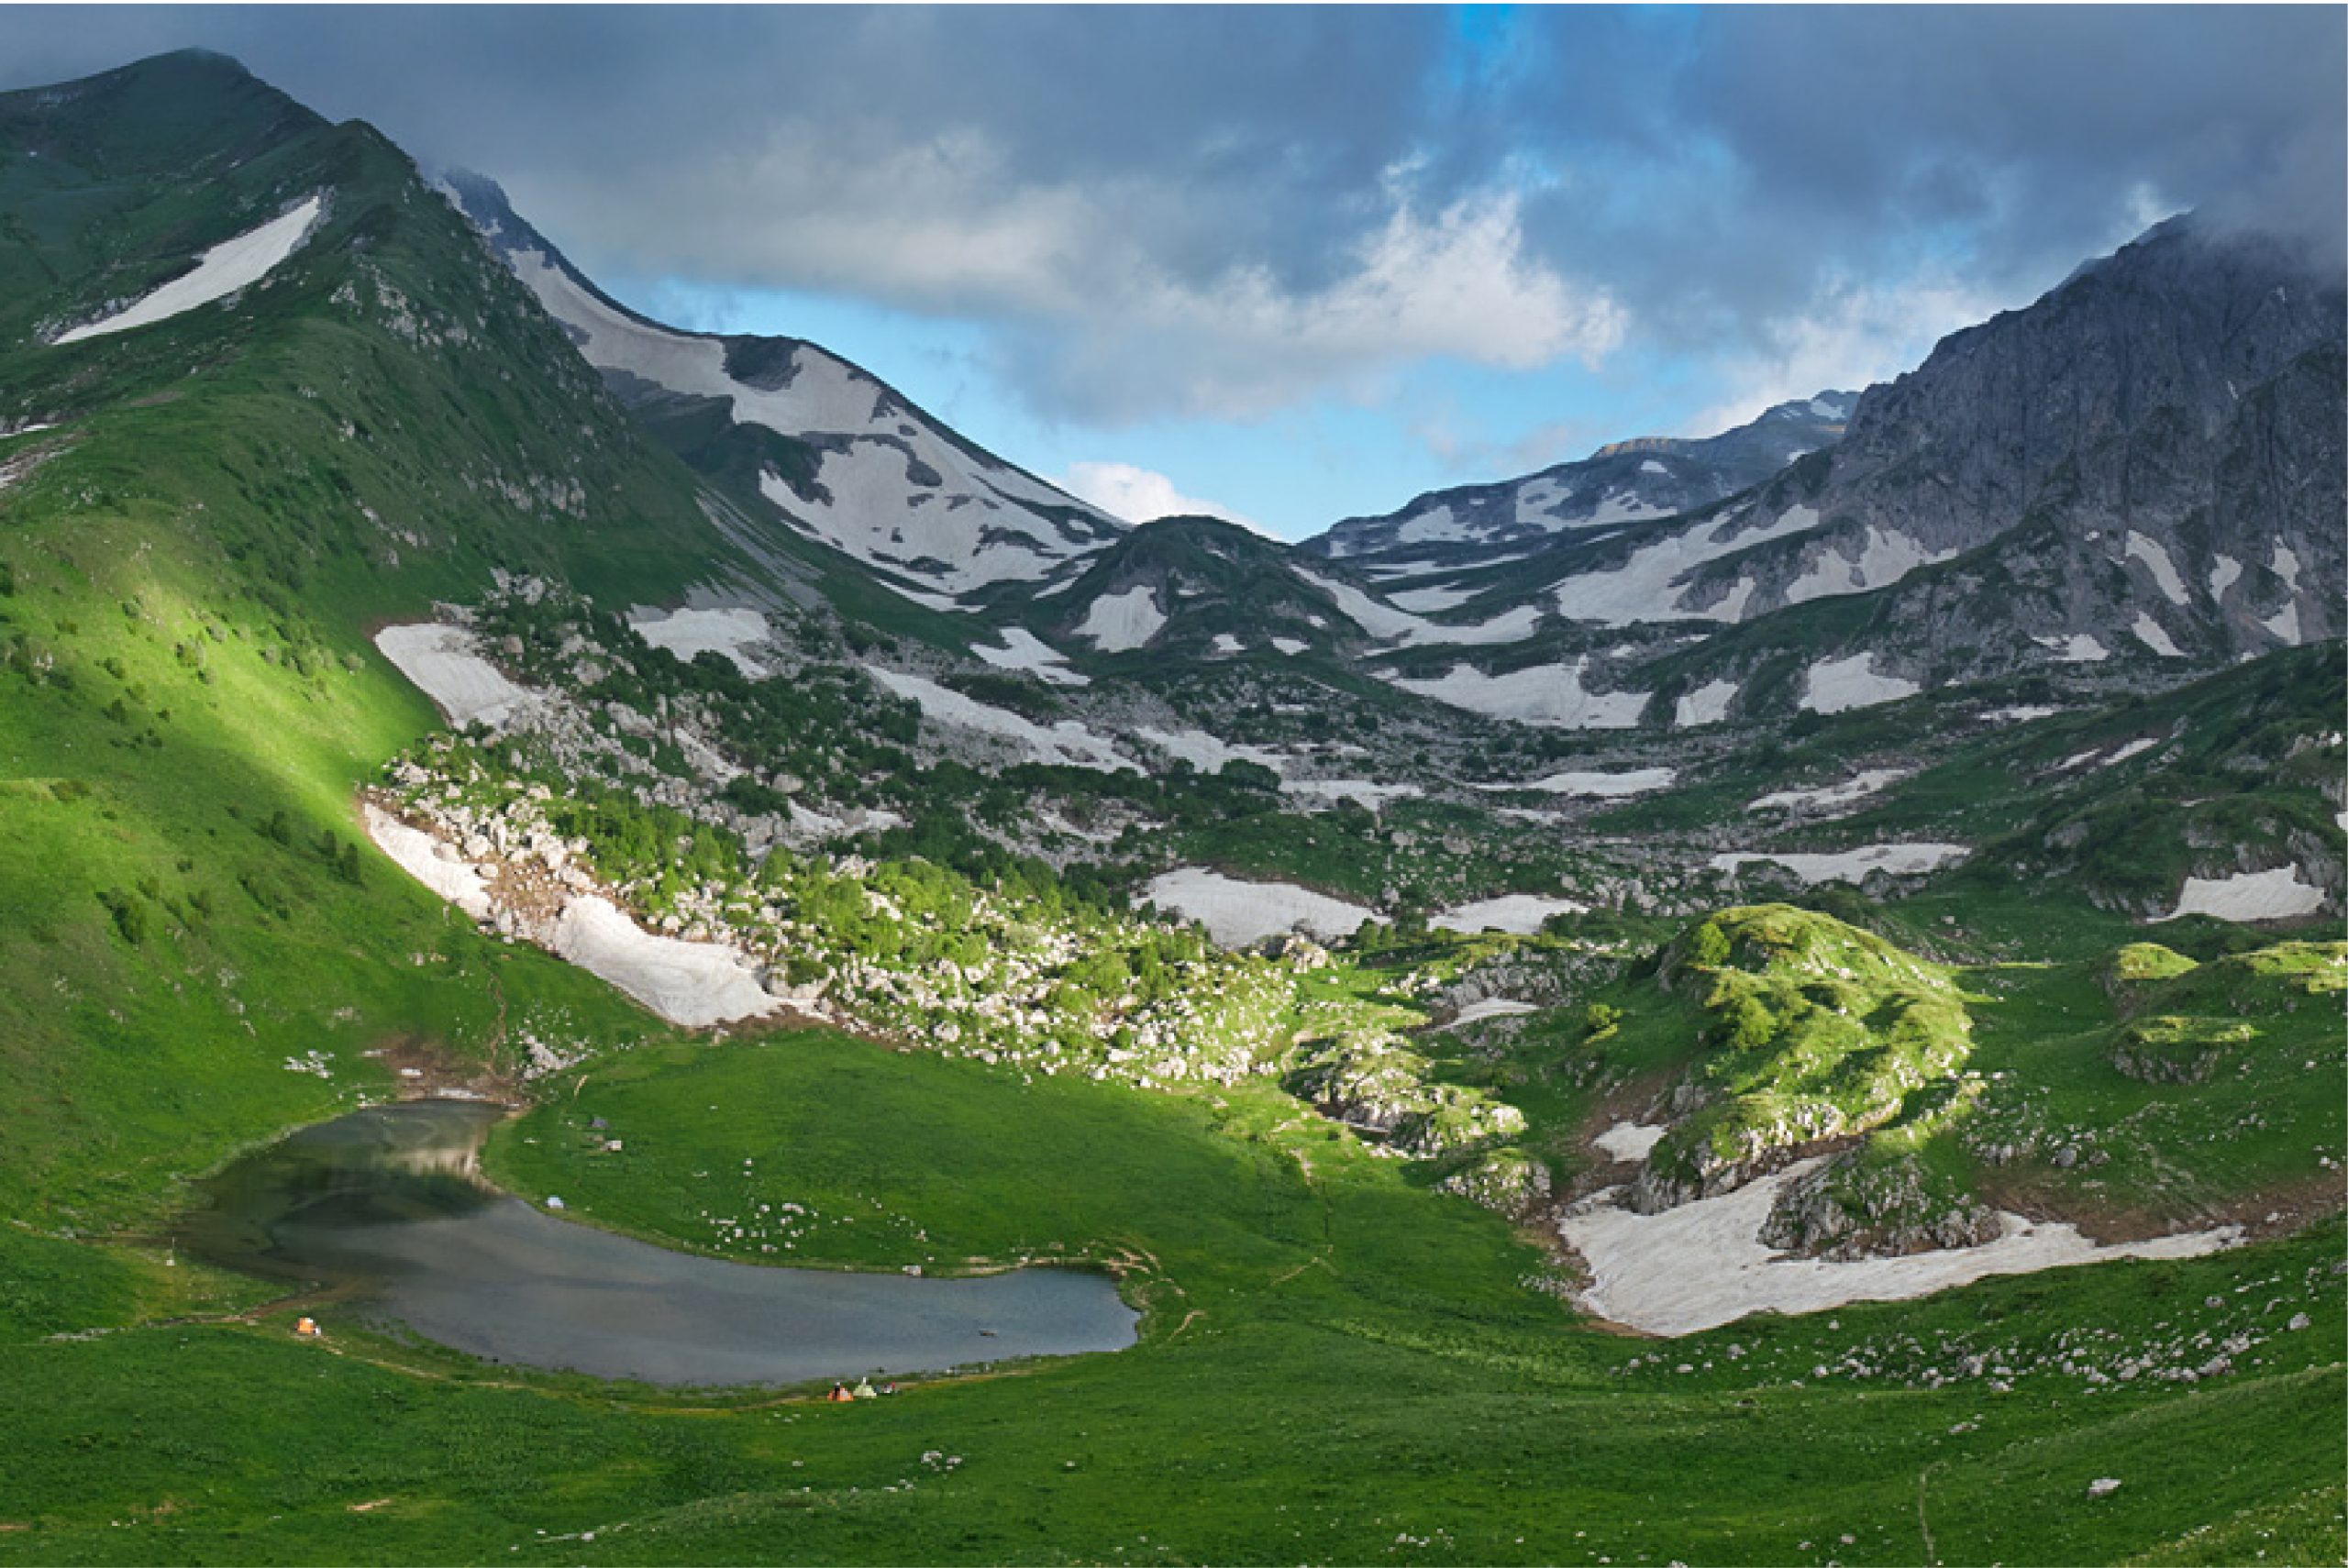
{"x": 1139, "y": 495}
{"x": 1456, "y": 285}
{"x": 1227, "y": 210}
{"x": 1849, "y": 338}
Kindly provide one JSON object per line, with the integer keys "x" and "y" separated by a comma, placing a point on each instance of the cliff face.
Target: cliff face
{"x": 2148, "y": 463}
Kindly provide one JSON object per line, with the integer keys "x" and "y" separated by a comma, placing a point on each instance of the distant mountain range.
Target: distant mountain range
{"x": 2138, "y": 478}
{"x": 1628, "y": 481}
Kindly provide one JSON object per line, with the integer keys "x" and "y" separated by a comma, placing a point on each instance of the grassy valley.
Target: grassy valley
{"x": 1329, "y": 1173}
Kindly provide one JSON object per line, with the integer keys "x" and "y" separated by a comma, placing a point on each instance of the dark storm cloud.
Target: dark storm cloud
{"x": 1212, "y": 208}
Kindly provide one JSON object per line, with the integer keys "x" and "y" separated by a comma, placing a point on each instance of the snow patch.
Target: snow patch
{"x": 2076, "y": 648}
{"x": 1544, "y": 694}
{"x": 1519, "y": 914}
{"x": 1023, "y": 650}
{"x": 1432, "y": 598}
{"x": 1068, "y": 743}
{"x": 1240, "y": 914}
{"x": 1849, "y": 864}
{"x": 1208, "y": 753}
{"x": 690, "y": 983}
{"x": 442, "y": 662}
{"x": 686, "y": 633}
{"x": 1708, "y": 705}
{"x": 2286, "y": 566}
{"x": 2020, "y": 715}
{"x": 1843, "y": 794}
{"x": 1883, "y": 559}
{"x": 1627, "y": 1140}
{"x": 2156, "y": 558}
{"x": 1598, "y": 786}
{"x": 2284, "y": 623}
{"x": 1702, "y": 1263}
{"x": 231, "y": 265}
{"x": 2279, "y": 894}
{"x": 1119, "y": 623}
{"x": 1491, "y": 1007}
{"x": 418, "y": 854}
{"x": 2148, "y": 631}
{"x": 1639, "y": 590}
{"x": 2224, "y": 572}
{"x": 1838, "y": 685}
{"x": 1370, "y": 794}
{"x": 1290, "y": 645}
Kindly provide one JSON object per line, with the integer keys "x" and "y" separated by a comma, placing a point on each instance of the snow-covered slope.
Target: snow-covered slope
{"x": 1631, "y": 482}
{"x": 228, "y": 267}
{"x": 860, "y": 468}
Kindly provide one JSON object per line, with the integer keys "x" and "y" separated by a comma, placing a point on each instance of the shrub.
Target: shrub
{"x": 129, "y": 914}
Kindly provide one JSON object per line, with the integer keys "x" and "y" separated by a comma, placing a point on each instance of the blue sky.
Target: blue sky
{"x": 1301, "y": 264}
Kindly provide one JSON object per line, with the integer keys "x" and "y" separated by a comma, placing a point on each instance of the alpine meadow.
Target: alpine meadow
{"x": 618, "y": 944}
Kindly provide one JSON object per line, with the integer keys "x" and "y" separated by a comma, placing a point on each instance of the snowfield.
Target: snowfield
{"x": 695, "y": 984}
{"x": 2150, "y": 632}
{"x": 1843, "y": 794}
{"x": 442, "y": 661}
{"x": 231, "y": 265}
{"x": 2154, "y": 556}
{"x": 1240, "y": 914}
{"x": 1641, "y": 588}
{"x": 1519, "y": 914}
{"x": 1628, "y": 1141}
{"x": 1068, "y": 743}
{"x": 686, "y": 633}
{"x": 2076, "y": 648}
{"x": 1023, "y": 650}
{"x": 1491, "y": 1007}
{"x": 1839, "y": 685}
{"x": 2279, "y": 894}
{"x": 1702, "y": 1263}
{"x": 1208, "y": 753}
{"x": 1119, "y": 623}
{"x": 1363, "y": 790}
{"x": 1544, "y": 694}
{"x": 1882, "y": 560}
{"x": 1708, "y": 705}
{"x": 1850, "y": 864}
{"x": 1596, "y": 786}
{"x": 426, "y": 859}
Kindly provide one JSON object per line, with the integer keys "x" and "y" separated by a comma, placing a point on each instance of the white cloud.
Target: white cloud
{"x": 1460, "y": 285}
{"x": 1852, "y": 337}
{"x": 1096, "y": 321}
{"x": 1138, "y": 494}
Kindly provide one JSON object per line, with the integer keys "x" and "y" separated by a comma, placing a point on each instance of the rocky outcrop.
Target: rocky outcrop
{"x": 2143, "y": 469}
{"x": 1380, "y": 1088}
{"x": 1854, "y": 1207}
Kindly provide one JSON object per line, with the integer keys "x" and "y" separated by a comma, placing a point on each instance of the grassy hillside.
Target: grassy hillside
{"x": 228, "y": 502}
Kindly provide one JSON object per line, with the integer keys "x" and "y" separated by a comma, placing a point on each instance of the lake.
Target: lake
{"x": 387, "y": 1207}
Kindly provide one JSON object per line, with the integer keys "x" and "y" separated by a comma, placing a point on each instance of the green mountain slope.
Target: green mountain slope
{"x": 194, "y": 550}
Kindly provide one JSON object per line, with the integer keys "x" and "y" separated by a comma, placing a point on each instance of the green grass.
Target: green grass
{"x": 1402, "y": 1387}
